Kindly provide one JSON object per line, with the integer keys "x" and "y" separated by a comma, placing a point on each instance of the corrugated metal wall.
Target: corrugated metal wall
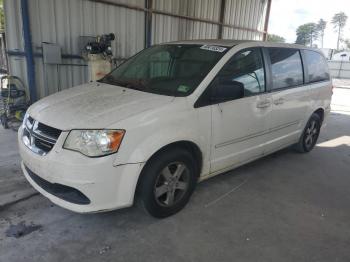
{"x": 63, "y": 21}
{"x": 3, "y": 60}
{"x": 14, "y": 39}
{"x": 167, "y": 28}
{"x": 244, "y": 14}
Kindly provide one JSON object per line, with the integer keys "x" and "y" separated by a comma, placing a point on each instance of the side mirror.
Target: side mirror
{"x": 223, "y": 91}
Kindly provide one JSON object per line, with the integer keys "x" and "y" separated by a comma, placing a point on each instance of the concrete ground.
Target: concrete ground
{"x": 284, "y": 207}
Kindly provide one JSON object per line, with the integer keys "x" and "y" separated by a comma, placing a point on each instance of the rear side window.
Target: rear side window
{"x": 286, "y": 66}
{"x": 316, "y": 66}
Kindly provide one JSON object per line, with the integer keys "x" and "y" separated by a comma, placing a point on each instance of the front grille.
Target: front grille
{"x": 53, "y": 132}
{"x": 43, "y": 145}
{"x": 39, "y": 137}
{"x": 66, "y": 193}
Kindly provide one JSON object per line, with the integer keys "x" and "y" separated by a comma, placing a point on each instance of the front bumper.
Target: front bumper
{"x": 106, "y": 187}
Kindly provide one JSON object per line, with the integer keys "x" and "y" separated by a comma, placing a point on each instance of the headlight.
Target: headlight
{"x": 94, "y": 143}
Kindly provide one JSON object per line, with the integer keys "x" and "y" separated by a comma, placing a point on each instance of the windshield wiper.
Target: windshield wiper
{"x": 113, "y": 81}
{"x": 132, "y": 84}
{"x": 136, "y": 84}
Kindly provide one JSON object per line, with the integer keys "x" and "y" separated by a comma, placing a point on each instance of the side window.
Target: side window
{"x": 316, "y": 66}
{"x": 245, "y": 71}
{"x": 286, "y": 66}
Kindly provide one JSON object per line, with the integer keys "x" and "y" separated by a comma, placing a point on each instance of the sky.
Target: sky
{"x": 287, "y": 15}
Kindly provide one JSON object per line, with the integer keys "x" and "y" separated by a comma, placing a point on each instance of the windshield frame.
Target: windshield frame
{"x": 175, "y": 93}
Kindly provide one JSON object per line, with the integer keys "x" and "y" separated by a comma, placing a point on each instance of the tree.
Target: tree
{"x": 339, "y": 21}
{"x": 303, "y": 35}
{"x": 275, "y": 38}
{"x": 2, "y": 16}
{"x": 321, "y": 26}
{"x": 306, "y": 34}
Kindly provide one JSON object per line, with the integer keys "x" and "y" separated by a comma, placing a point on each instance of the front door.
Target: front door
{"x": 239, "y": 125}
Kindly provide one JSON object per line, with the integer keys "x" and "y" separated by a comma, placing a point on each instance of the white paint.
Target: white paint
{"x": 343, "y": 140}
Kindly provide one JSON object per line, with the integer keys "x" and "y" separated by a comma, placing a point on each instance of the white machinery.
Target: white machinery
{"x": 99, "y": 55}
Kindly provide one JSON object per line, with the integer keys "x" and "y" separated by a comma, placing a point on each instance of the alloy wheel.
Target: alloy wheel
{"x": 172, "y": 184}
{"x": 311, "y": 134}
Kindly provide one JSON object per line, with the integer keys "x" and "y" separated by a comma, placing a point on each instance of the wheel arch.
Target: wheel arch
{"x": 320, "y": 113}
{"x": 190, "y": 146}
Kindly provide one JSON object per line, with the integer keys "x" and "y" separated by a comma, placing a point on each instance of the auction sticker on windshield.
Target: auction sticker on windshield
{"x": 213, "y": 48}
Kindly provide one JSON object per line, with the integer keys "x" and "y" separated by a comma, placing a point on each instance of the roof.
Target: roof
{"x": 231, "y": 43}
{"x": 222, "y": 42}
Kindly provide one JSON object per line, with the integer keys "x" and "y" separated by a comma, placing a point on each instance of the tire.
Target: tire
{"x": 167, "y": 182}
{"x": 310, "y": 134}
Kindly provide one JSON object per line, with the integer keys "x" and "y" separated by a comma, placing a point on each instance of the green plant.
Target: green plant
{"x": 339, "y": 22}
{"x": 275, "y": 38}
{"x": 307, "y": 33}
{"x": 321, "y": 26}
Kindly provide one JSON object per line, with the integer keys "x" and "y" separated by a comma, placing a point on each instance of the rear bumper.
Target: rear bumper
{"x": 79, "y": 183}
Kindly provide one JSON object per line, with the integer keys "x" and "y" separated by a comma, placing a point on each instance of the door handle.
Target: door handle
{"x": 279, "y": 101}
{"x": 263, "y": 104}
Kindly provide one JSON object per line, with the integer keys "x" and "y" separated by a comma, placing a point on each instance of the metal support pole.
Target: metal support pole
{"x": 28, "y": 50}
{"x": 222, "y": 16}
{"x": 267, "y": 18}
{"x": 148, "y": 23}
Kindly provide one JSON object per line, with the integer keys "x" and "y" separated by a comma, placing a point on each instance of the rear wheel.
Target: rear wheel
{"x": 167, "y": 182}
{"x": 310, "y": 135}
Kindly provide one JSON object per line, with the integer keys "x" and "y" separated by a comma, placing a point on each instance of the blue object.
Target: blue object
{"x": 28, "y": 50}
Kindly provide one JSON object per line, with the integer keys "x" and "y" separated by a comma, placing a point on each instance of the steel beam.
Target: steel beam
{"x": 267, "y": 18}
{"x": 28, "y": 51}
{"x": 222, "y": 17}
{"x": 148, "y": 23}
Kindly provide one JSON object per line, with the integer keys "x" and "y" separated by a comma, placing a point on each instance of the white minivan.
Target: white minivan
{"x": 170, "y": 116}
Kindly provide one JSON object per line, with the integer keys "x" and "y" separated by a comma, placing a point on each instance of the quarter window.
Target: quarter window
{"x": 316, "y": 66}
{"x": 245, "y": 69}
{"x": 287, "y": 70}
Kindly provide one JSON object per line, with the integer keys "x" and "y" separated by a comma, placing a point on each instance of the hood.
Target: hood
{"x": 93, "y": 105}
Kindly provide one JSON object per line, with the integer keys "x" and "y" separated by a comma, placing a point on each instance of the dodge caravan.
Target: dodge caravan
{"x": 170, "y": 116}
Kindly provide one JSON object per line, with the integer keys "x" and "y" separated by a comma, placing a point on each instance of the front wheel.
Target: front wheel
{"x": 167, "y": 182}
{"x": 310, "y": 135}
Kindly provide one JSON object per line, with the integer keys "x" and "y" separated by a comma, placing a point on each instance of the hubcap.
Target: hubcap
{"x": 311, "y": 134}
{"x": 172, "y": 184}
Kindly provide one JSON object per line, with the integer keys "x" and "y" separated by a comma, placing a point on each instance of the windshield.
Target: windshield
{"x": 174, "y": 70}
